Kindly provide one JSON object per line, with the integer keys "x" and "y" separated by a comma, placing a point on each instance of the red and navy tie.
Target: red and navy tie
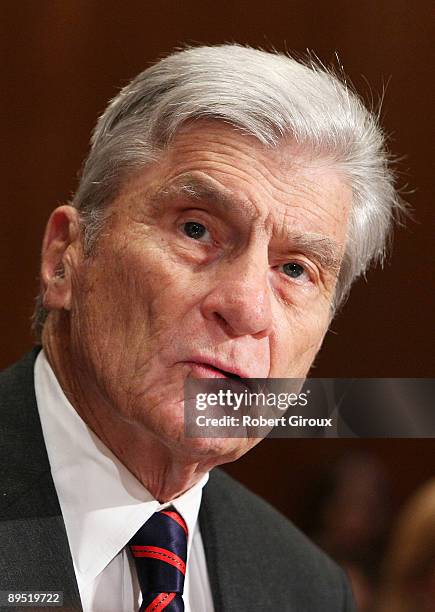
{"x": 159, "y": 549}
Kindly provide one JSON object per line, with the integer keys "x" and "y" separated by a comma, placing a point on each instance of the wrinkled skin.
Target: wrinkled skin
{"x": 153, "y": 305}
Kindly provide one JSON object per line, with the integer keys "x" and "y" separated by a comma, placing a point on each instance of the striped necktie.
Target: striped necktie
{"x": 159, "y": 549}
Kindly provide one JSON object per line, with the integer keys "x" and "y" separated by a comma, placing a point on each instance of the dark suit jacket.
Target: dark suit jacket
{"x": 257, "y": 560}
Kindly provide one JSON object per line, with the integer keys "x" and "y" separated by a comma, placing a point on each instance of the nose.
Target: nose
{"x": 240, "y": 300}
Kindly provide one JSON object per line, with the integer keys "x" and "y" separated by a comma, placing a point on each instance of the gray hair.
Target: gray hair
{"x": 267, "y": 95}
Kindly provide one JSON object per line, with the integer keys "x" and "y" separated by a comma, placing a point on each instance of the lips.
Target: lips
{"x": 207, "y": 368}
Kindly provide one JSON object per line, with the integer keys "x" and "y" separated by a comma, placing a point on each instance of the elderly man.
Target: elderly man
{"x": 229, "y": 199}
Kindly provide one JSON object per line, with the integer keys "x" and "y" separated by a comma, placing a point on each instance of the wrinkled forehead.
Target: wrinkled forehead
{"x": 213, "y": 138}
{"x": 215, "y": 164}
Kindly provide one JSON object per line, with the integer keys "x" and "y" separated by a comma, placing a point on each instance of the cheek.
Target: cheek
{"x": 133, "y": 301}
{"x": 110, "y": 314}
{"x": 297, "y": 340}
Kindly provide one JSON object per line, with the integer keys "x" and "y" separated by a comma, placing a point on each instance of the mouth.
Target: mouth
{"x": 211, "y": 370}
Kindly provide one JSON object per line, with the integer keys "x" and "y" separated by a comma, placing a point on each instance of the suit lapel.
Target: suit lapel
{"x": 229, "y": 553}
{"x": 35, "y": 553}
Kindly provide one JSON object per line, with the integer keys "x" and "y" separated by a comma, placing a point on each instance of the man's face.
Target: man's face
{"x": 220, "y": 258}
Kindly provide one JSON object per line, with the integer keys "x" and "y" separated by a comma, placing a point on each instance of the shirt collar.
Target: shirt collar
{"x": 103, "y": 504}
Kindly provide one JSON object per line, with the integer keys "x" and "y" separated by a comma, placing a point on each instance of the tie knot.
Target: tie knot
{"x": 159, "y": 549}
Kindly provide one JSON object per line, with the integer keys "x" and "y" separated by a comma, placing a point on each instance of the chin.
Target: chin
{"x": 165, "y": 422}
{"x": 216, "y": 450}
{"x": 213, "y": 450}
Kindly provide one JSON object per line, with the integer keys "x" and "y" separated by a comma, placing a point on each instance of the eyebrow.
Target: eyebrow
{"x": 318, "y": 247}
{"x": 201, "y": 187}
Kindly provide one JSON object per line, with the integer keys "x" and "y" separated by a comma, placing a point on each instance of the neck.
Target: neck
{"x": 163, "y": 472}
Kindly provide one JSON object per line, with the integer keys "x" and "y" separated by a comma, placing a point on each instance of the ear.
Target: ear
{"x": 61, "y": 250}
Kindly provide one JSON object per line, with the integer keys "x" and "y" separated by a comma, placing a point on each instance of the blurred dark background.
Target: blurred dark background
{"x": 62, "y": 61}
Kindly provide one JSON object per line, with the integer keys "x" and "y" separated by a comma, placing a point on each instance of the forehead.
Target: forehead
{"x": 285, "y": 185}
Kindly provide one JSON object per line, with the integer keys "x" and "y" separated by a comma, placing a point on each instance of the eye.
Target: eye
{"x": 294, "y": 270}
{"x": 194, "y": 230}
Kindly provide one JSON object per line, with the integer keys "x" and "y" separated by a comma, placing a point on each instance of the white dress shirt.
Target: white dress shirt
{"x": 103, "y": 505}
